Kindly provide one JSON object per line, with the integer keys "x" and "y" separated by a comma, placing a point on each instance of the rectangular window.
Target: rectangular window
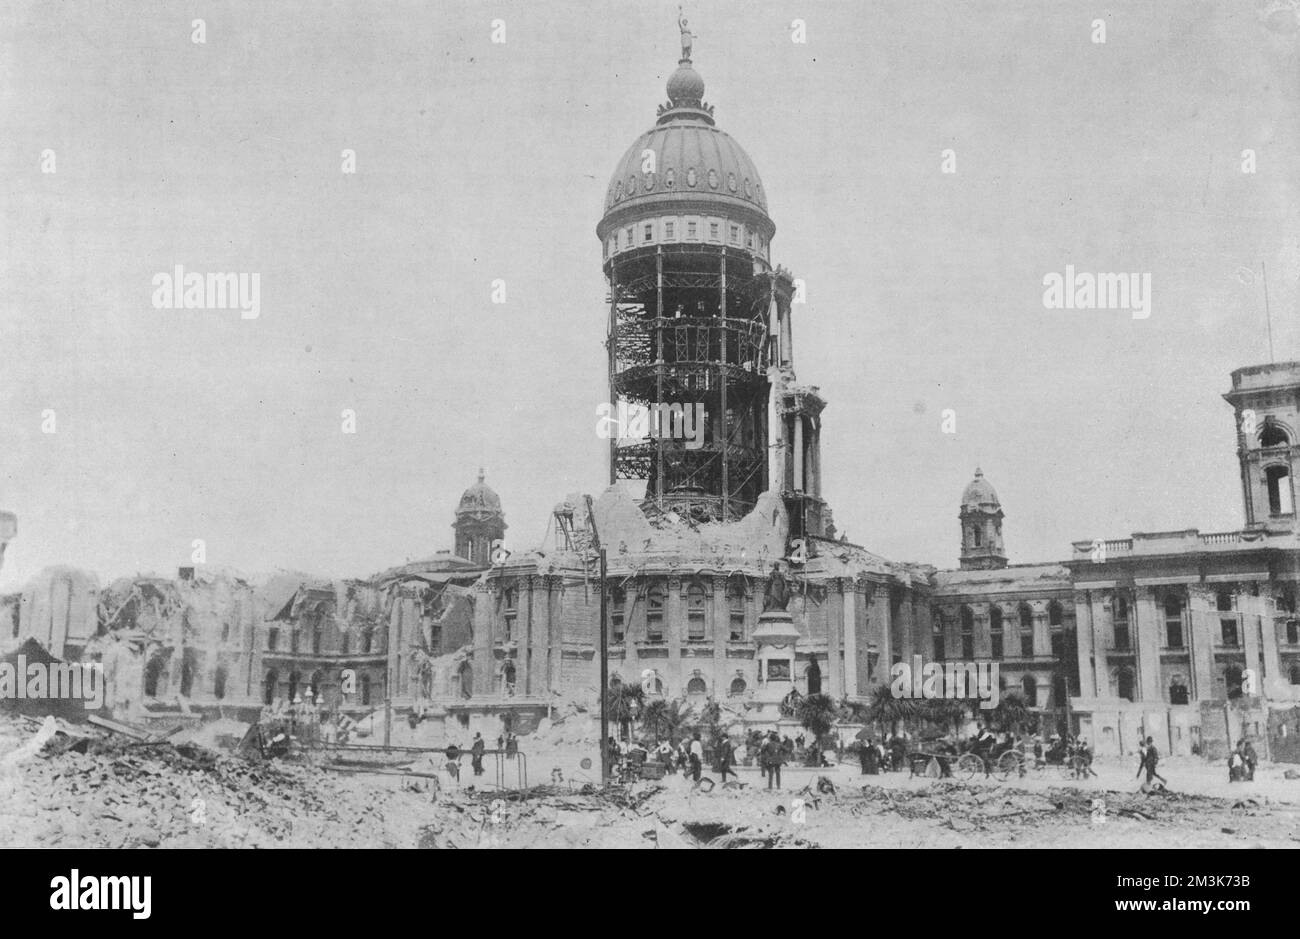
{"x": 735, "y": 234}
{"x": 1027, "y": 644}
{"x": 967, "y": 646}
{"x": 938, "y": 647}
{"x": 1121, "y": 637}
{"x": 1228, "y": 629}
{"x": 997, "y": 644}
{"x": 713, "y": 232}
{"x": 692, "y": 230}
{"x": 649, "y": 232}
{"x": 272, "y": 638}
{"x": 753, "y": 242}
{"x": 669, "y": 231}
{"x": 695, "y": 625}
{"x": 616, "y": 625}
{"x": 1058, "y": 644}
{"x": 627, "y": 238}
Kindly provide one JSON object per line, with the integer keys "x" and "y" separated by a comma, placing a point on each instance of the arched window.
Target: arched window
{"x": 219, "y": 683}
{"x": 738, "y": 684}
{"x": 152, "y": 675}
{"x": 1278, "y": 481}
{"x": 465, "y": 678}
{"x": 1223, "y": 600}
{"x": 995, "y": 631}
{"x": 1055, "y": 614}
{"x": 937, "y": 637}
{"x": 736, "y": 609}
{"x": 1029, "y": 685}
{"x": 270, "y": 686}
{"x": 696, "y": 687}
{"x": 367, "y": 637}
{"x": 1272, "y": 435}
{"x": 1173, "y": 622}
{"x": 695, "y": 603}
{"x": 654, "y": 614}
{"x": 508, "y": 678}
{"x": 813, "y": 674}
{"x": 975, "y": 536}
{"x": 1058, "y": 691}
{"x": 967, "y": 633}
{"x": 511, "y": 612}
{"x": 293, "y": 687}
{"x": 189, "y": 668}
{"x": 314, "y": 687}
{"x": 1026, "y": 631}
{"x": 1178, "y": 690}
{"x": 1124, "y": 683}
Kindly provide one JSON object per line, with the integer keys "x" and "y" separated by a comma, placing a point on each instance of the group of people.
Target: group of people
{"x": 1241, "y": 762}
{"x": 888, "y": 754}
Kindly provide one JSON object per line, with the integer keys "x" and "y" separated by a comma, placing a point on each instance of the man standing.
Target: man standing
{"x": 726, "y": 759}
{"x": 476, "y": 754}
{"x": 771, "y": 755}
{"x": 1152, "y": 759}
{"x": 696, "y": 757}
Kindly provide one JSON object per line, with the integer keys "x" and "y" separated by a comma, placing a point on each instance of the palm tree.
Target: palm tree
{"x": 622, "y": 702}
{"x": 816, "y": 713}
{"x": 946, "y": 712}
{"x": 885, "y": 709}
{"x": 662, "y": 718}
{"x": 1012, "y": 713}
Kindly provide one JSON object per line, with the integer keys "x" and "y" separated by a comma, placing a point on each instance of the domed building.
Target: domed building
{"x": 479, "y": 522}
{"x": 699, "y": 325}
{"x": 981, "y": 526}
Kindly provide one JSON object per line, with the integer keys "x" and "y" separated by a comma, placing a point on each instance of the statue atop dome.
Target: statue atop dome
{"x": 687, "y": 35}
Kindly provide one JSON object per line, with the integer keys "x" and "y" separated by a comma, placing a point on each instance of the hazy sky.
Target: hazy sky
{"x": 478, "y": 161}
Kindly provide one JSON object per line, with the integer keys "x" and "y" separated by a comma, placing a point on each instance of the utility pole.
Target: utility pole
{"x": 603, "y": 649}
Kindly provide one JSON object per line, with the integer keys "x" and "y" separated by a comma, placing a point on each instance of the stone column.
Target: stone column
{"x": 718, "y": 631}
{"x": 1148, "y": 640}
{"x": 798, "y": 451}
{"x": 906, "y": 639}
{"x": 1273, "y": 673}
{"x": 849, "y": 605}
{"x": 1201, "y": 608}
{"x": 877, "y": 630}
{"x": 485, "y": 601}
{"x": 674, "y": 631}
{"x": 1084, "y": 631}
{"x": 1248, "y": 620}
{"x": 982, "y": 635}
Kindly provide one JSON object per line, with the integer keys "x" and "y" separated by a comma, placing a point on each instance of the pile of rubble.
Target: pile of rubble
{"x": 77, "y": 786}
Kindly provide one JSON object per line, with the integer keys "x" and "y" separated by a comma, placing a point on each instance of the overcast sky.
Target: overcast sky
{"x": 478, "y": 161}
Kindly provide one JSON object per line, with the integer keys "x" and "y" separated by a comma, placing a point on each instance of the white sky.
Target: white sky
{"x": 479, "y": 161}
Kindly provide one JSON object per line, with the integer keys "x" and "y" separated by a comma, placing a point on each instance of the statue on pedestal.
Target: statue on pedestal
{"x": 777, "y": 595}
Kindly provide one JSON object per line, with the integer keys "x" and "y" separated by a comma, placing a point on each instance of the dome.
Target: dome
{"x": 479, "y": 499}
{"x": 979, "y": 492}
{"x": 694, "y": 162}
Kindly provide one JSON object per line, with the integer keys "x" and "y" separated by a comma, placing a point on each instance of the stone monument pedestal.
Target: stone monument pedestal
{"x": 776, "y": 637}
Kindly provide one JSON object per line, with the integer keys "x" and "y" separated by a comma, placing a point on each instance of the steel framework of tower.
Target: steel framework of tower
{"x": 689, "y": 324}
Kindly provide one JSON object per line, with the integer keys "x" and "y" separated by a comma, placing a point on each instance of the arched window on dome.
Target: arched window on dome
{"x": 1271, "y": 435}
{"x": 738, "y": 684}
